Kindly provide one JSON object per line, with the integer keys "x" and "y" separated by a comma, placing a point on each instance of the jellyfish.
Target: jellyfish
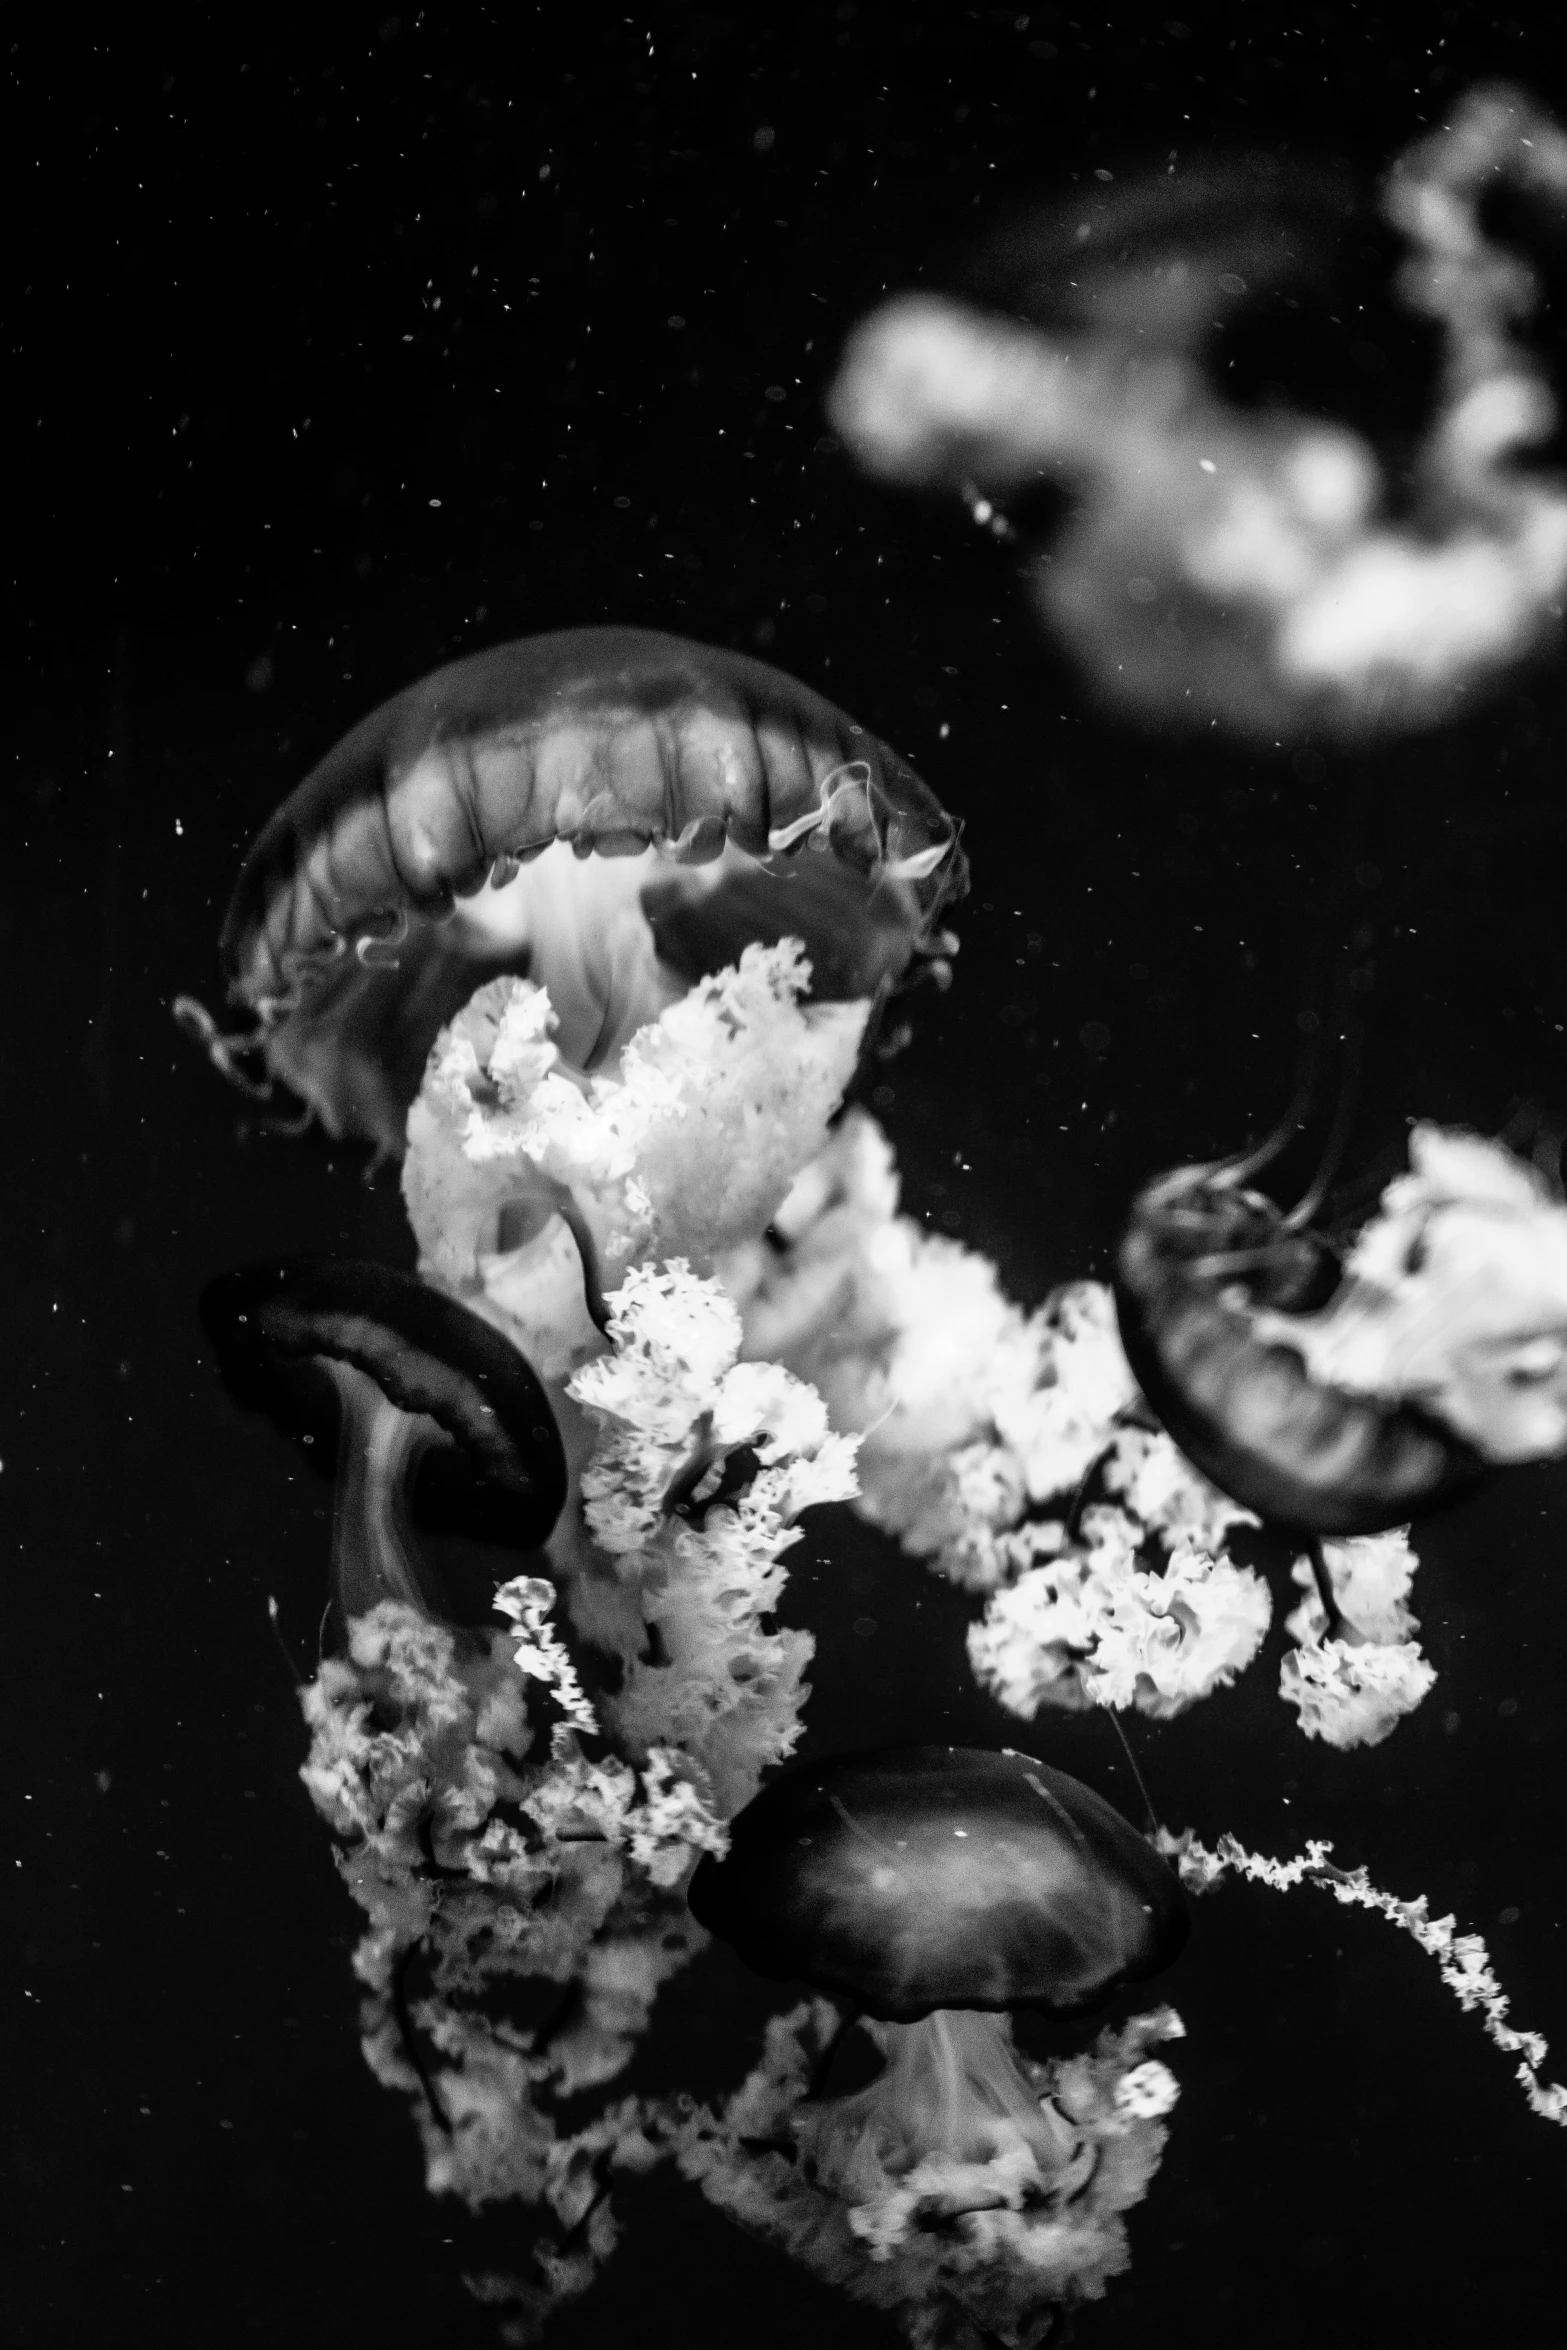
{"x": 1203, "y": 1257}
{"x": 1346, "y": 1388}
{"x": 1344, "y": 1391}
{"x": 612, "y": 812}
{"x": 415, "y": 1400}
{"x": 1251, "y": 569}
{"x": 937, "y": 1890}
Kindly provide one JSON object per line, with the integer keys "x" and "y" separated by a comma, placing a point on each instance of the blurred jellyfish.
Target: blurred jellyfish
{"x": 612, "y": 813}
{"x": 1346, "y": 1389}
{"x": 1454, "y": 1300}
{"x": 1254, "y": 569}
{"x": 1343, "y": 1387}
{"x": 936, "y": 1890}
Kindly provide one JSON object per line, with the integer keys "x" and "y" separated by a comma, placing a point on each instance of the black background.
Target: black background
{"x": 347, "y": 342}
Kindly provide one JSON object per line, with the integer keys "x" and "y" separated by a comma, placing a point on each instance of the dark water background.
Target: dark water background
{"x": 346, "y": 345}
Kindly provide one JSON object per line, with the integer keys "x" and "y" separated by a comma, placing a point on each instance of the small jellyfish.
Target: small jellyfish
{"x": 416, "y": 1402}
{"x": 610, "y": 812}
{"x": 1347, "y": 1388}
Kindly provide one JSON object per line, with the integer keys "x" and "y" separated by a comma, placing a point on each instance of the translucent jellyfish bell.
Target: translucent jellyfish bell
{"x": 942, "y": 1877}
{"x": 1170, "y": 261}
{"x": 610, "y": 812}
{"x": 1342, "y": 1389}
{"x": 403, "y": 1393}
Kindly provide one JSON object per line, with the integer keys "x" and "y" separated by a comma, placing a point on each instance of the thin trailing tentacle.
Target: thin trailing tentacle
{"x": 1276, "y": 1140}
{"x": 1150, "y": 1815}
{"x": 296, "y": 1673}
{"x": 1306, "y": 1207}
{"x": 1337, "y": 1625}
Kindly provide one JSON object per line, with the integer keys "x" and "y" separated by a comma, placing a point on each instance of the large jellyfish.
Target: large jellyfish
{"x": 612, "y": 812}
{"x": 1262, "y": 569}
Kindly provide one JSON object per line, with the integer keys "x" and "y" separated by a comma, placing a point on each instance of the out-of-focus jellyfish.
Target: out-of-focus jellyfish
{"x": 937, "y": 1889}
{"x": 1455, "y": 1300}
{"x": 414, "y": 1401}
{"x": 1262, "y": 570}
{"x": 1343, "y": 1387}
{"x": 1206, "y": 1267}
{"x": 610, "y": 812}
{"x": 1343, "y": 1390}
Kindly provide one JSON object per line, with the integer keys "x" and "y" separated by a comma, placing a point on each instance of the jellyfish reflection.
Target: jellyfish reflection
{"x": 1227, "y": 568}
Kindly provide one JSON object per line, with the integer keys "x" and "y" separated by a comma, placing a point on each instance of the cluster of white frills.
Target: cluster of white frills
{"x": 739, "y": 1384}
{"x": 1012, "y": 1452}
{"x": 979, "y": 1423}
{"x": 779, "y": 1336}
